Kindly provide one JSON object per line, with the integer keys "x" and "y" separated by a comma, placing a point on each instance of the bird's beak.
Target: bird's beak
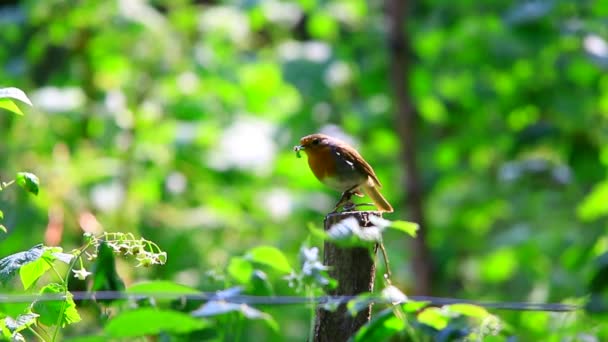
{"x": 297, "y": 149}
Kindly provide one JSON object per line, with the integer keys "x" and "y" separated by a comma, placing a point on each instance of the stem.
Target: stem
{"x": 33, "y": 331}
{"x": 4, "y": 185}
{"x": 65, "y": 286}
{"x": 311, "y": 329}
{"x": 388, "y": 274}
{"x": 238, "y": 328}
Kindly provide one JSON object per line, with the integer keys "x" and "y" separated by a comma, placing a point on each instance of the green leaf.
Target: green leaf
{"x": 30, "y": 272}
{"x": 381, "y": 327}
{"x": 1, "y": 215}
{"x": 10, "y": 264}
{"x": 161, "y": 286}
{"x": 240, "y": 269}
{"x": 259, "y": 284}
{"x": 3, "y": 228}
{"x": 5, "y": 334}
{"x": 14, "y": 93}
{"x": 594, "y": 205}
{"x": 361, "y": 302}
{"x": 149, "y": 321}
{"x": 470, "y": 310}
{"x": 269, "y": 256}
{"x": 10, "y": 106}
{"x": 414, "y": 306}
{"x": 321, "y": 25}
{"x": 407, "y": 227}
{"x": 28, "y": 181}
{"x": 433, "y": 317}
{"x": 51, "y": 311}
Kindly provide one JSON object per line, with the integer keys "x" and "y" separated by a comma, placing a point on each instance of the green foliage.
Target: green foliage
{"x": 269, "y": 256}
{"x": 149, "y": 321}
{"x": 6, "y": 94}
{"x": 349, "y": 233}
{"x": 56, "y": 313}
{"x": 28, "y": 181}
{"x": 12, "y": 263}
{"x": 188, "y": 141}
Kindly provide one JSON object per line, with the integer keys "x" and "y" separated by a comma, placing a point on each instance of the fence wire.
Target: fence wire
{"x": 277, "y": 300}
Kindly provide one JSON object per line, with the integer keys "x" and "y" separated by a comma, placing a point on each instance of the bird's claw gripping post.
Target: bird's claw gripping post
{"x": 345, "y": 202}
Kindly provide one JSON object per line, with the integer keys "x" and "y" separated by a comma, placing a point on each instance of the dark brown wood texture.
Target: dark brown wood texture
{"x": 354, "y": 269}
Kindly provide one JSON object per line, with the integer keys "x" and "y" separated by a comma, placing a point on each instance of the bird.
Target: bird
{"x": 340, "y": 167}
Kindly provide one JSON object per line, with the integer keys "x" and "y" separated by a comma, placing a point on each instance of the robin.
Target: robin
{"x": 341, "y": 167}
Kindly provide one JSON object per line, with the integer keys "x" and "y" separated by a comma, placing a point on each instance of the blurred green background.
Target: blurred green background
{"x": 175, "y": 120}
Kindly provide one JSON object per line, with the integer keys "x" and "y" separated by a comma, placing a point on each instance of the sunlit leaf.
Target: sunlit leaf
{"x": 384, "y": 325}
{"x": 150, "y": 321}
{"x": 28, "y": 181}
{"x": 240, "y": 269}
{"x": 161, "y": 286}
{"x": 468, "y": 310}
{"x": 407, "y": 227}
{"x": 166, "y": 290}
{"x": 30, "y": 272}
{"x": 7, "y": 95}
{"x": 269, "y": 256}
{"x": 414, "y": 306}
{"x": 62, "y": 312}
{"x": 433, "y": 317}
{"x": 14, "y": 93}
{"x": 10, "y": 106}
{"x": 499, "y": 265}
{"x": 595, "y": 204}
{"x": 361, "y": 302}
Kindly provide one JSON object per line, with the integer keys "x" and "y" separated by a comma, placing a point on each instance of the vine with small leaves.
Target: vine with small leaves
{"x": 35, "y": 262}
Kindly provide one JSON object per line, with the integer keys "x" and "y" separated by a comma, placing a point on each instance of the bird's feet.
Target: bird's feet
{"x": 347, "y": 204}
{"x": 344, "y": 201}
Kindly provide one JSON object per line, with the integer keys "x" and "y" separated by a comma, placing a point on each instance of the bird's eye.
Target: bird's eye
{"x": 316, "y": 141}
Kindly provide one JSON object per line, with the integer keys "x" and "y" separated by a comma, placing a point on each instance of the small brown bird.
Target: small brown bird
{"x": 341, "y": 167}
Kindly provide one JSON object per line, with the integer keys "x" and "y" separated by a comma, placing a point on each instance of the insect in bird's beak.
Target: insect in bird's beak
{"x": 297, "y": 149}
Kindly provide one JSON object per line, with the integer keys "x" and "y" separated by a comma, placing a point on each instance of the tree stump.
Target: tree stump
{"x": 355, "y": 270}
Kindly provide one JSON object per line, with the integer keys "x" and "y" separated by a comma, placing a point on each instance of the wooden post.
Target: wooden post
{"x": 355, "y": 270}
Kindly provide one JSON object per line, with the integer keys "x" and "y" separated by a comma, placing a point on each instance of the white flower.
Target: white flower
{"x": 81, "y": 273}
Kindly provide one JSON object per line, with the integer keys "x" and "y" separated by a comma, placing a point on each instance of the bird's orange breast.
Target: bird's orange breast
{"x": 322, "y": 162}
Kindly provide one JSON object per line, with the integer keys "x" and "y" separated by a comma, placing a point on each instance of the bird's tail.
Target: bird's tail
{"x": 379, "y": 201}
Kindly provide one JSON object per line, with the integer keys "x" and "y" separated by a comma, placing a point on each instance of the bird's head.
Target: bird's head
{"x": 313, "y": 142}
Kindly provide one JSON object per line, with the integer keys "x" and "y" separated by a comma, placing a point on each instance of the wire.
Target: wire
{"x": 277, "y": 300}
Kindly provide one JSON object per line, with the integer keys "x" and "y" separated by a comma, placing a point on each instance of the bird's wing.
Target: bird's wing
{"x": 353, "y": 156}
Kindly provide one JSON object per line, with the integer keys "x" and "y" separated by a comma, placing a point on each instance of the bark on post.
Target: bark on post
{"x": 354, "y": 269}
